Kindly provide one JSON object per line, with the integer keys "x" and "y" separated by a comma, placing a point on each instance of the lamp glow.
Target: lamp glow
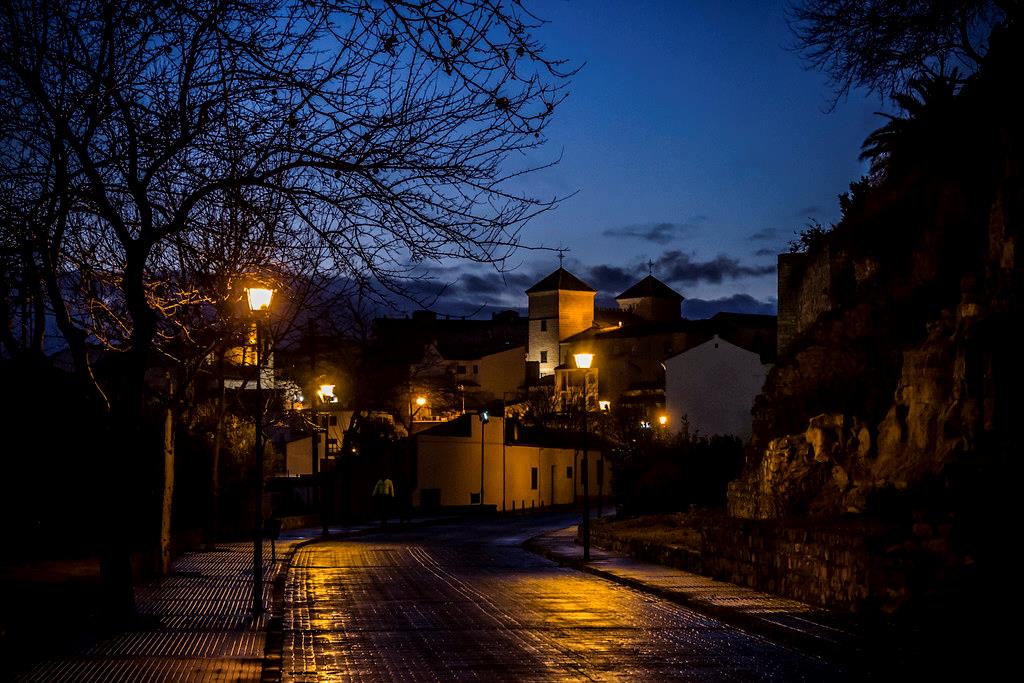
{"x": 421, "y": 401}
{"x": 663, "y": 420}
{"x": 583, "y": 360}
{"x": 326, "y": 393}
{"x": 259, "y": 298}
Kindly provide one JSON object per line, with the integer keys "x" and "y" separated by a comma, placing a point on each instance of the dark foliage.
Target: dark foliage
{"x": 883, "y": 46}
{"x": 669, "y": 475}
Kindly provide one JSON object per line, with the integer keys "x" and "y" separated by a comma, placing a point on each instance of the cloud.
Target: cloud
{"x": 611, "y": 278}
{"x": 675, "y": 266}
{"x": 494, "y": 283}
{"x": 766, "y": 252}
{"x": 808, "y": 211}
{"x": 766, "y": 234}
{"x": 659, "y": 233}
{"x": 697, "y": 309}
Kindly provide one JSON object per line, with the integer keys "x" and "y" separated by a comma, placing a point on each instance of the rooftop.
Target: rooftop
{"x": 560, "y": 279}
{"x": 650, "y": 287}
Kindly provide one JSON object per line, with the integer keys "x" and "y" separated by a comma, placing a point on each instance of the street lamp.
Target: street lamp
{"x": 326, "y": 395}
{"x": 583, "y": 362}
{"x": 259, "y": 304}
{"x": 484, "y": 418}
{"x": 420, "y": 402}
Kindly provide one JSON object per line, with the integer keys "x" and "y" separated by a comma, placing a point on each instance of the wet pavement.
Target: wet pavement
{"x": 466, "y": 602}
{"x": 194, "y": 625}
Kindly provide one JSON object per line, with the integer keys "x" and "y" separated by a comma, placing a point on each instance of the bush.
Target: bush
{"x": 654, "y": 475}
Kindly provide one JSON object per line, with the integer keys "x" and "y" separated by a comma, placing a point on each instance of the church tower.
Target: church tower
{"x": 561, "y": 305}
{"x": 652, "y": 300}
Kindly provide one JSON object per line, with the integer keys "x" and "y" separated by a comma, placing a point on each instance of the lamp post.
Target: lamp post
{"x": 326, "y": 395}
{"x": 484, "y": 418}
{"x": 420, "y": 402}
{"x": 583, "y": 362}
{"x": 259, "y": 304}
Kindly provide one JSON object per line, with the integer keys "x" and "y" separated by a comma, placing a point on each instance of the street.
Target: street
{"x": 465, "y": 602}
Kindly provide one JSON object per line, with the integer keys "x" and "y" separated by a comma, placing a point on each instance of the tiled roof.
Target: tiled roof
{"x": 561, "y": 279}
{"x": 650, "y": 286}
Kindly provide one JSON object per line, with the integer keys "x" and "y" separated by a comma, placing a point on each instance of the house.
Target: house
{"x": 629, "y": 344}
{"x": 515, "y": 472}
{"x": 713, "y": 386}
{"x": 454, "y": 364}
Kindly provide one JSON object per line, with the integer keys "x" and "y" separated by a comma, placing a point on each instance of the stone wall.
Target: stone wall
{"x": 805, "y": 291}
{"x": 862, "y": 567}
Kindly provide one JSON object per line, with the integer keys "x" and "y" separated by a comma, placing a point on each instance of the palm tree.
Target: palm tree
{"x": 921, "y": 135}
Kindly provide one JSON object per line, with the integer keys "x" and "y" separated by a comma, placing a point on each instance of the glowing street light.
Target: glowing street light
{"x": 259, "y": 304}
{"x": 583, "y": 362}
{"x": 663, "y": 420}
{"x": 259, "y": 298}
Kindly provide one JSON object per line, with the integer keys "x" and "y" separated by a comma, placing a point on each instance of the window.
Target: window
{"x": 543, "y": 356}
{"x": 333, "y": 421}
{"x": 543, "y": 325}
{"x": 460, "y": 369}
{"x": 476, "y": 369}
{"x": 332, "y": 445}
{"x": 533, "y": 478}
{"x": 568, "y": 472}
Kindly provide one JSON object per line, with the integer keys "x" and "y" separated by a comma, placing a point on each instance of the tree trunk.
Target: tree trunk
{"x": 213, "y": 518}
{"x": 168, "y": 491}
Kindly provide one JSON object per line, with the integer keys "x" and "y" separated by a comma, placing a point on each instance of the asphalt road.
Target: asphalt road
{"x": 464, "y": 601}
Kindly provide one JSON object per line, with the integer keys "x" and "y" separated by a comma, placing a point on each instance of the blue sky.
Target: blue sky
{"x": 693, "y": 138}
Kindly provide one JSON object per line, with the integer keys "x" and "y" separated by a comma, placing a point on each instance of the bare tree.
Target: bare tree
{"x": 881, "y": 45}
{"x": 356, "y": 138}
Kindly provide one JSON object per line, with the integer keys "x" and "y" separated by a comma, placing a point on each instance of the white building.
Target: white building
{"x": 713, "y": 385}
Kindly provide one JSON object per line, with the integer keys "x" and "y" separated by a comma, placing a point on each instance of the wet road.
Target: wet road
{"x": 465, "y": 602}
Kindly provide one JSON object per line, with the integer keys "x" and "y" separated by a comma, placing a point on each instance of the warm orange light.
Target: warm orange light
{"x": 326, "y": 393}
{"x": 420, "y": 401}
{"x": 604, "y": 405}
{"x": 583, "y": 360}
{"x": 259, "y": 298}
{"x": 663, "y": 420}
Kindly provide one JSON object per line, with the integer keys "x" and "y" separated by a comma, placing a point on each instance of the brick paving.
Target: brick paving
{"x": 466, "y": 602}
{"x": 197, "y": 626}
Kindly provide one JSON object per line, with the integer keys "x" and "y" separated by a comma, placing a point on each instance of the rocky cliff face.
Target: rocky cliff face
{"x": 907, "y": 379}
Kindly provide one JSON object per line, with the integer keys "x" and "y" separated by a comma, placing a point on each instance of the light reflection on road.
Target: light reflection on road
{"x": 447, "y": 604}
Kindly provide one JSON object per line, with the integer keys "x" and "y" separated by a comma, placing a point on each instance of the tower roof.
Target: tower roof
{"x": 651, "y": 287}
{"x": 560, "y": 279}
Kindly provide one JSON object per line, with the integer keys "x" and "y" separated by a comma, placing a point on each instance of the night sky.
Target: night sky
{"x": 694, "y": 138}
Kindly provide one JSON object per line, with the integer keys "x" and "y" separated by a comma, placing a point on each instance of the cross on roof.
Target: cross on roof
{"x": 650, "y": 267}
{"x": 561, "y": 257}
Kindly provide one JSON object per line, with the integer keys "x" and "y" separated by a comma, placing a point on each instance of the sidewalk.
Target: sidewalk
{"x": 795, "y": 623}
{"x": 194, "y": 624}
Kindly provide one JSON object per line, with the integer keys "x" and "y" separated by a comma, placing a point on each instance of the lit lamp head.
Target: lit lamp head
{"x": 583, "y": 360}
{"x": 259, "y": 298}
{"x": 421, "y": 401}
{"x": 663, "y": 420}
{"x": 326, "y": 393}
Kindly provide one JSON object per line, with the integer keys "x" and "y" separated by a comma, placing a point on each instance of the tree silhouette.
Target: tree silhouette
{"x": 354, "y": 139}
{"x": 883, "y": 46}
{"x": 915, "y": 137}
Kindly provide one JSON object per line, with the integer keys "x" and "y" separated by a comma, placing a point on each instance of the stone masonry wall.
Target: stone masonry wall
{"x": 864, "y": 568}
